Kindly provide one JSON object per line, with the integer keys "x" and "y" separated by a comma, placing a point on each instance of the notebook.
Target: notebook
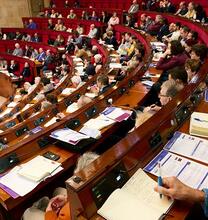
{"x": 68, "y": 135}
{"x": 38, "y": 168}
{"x": 199, "y": 124}
{"x": 135, "y": 200}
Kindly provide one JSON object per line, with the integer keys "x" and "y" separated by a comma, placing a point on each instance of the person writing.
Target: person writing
{"x": 175, "y": 189}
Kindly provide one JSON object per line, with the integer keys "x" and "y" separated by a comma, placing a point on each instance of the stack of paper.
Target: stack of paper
{"x": 148, "y": 83}
{"x": 50, "y": 122}
{"x": 11, "y": 104}
{"x": 69, "y": 136}
{"x": 117, "y": 114}
{"x": 135, "y": 200}
{"x": 72, "y": 108}
{"x": 68, "y": 91}
{"x": 91, "y": 132}
{"x": 199, "y": 124}
{"x": 99, "y": 123}
{"x": 90, "y": 95}
{"x": 114, "y": 65}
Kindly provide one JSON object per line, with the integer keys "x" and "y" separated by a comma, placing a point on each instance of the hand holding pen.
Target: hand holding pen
{"x": 159, "y": 180}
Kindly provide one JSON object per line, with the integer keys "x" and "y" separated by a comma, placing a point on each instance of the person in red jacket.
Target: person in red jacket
{"x": 172, "y": 57}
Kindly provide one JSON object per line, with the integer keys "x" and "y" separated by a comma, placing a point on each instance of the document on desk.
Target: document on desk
{"x": 189, "y": 172}
{"x": 117, "y": 114}
{"x": 50, "y": 122}
{"x": 68, "y": 135}
{"x": 99, "y": 123}
{"x": 135, "y": 200}
{"x": 68, "y": 91}
{"x": 72, "y": 108}
{"x": 91, "y": 132}
{"x": 189, "y": 146}
{"x": 16, "y": 185}
{"x": 199, "y": 124}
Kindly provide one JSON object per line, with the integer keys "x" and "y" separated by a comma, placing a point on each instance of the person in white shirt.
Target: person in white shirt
{"x": 93, "y": 31}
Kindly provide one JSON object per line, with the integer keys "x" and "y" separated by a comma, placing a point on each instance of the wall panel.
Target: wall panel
{"x": 11, "y": 12}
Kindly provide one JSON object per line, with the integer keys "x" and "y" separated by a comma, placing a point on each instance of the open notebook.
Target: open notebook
{"x": 135, "y": 200}
{"x": 38, "y": 168}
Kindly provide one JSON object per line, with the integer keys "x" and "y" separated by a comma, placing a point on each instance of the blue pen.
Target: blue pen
{"x": 159, "y": 180}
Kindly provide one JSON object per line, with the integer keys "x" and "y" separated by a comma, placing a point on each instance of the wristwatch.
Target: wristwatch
{"x": 205, "y": 204}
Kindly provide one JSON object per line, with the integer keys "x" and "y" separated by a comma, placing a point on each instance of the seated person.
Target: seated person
{"x": 129, "y": 21}
{"x": 113, "y": 20}
{"x": 191, "y": 13}
{"x": 77, "y": 38}
{"x": 50, "y": 24}
{"x": 58, "y": 207}
{"x": 155, "y": 26}
{"x": 26, "y": 74}
{"x": 169, "y": 90}
{"x": 104, "y": 17}
{"x": 34, "y": 53}
{"x": 48, "y": 62}
{"x": 80, "y": 52}
{"x": 192, "y": 67}
{"x": 66, "y": 4}
{"x": 134, "y": 8}
{"x": 182, "y": 9}
{"x": 84, "y": 15}
{"x": 33, "y": 87}
{"x": 59, "y": 41}
{"x": 59, "y": 26}
{"x": 71, "y": 14}
{"x": 76, "y": 82}
{"x": 41, "y": 56}
{"x": 49, "y": 102}
{"x": 18, "y": 50}
{"x": 83, "y": 100}
{"x": 18, "y": 36}
{"x": 27, "y": 37}
{"x": 80, "y": 29}
{"x": 174, "y": 29}
{"x": 28, "y": 51}
{"x": 179, "y": 75}
{"x": 13, "y": 67}
{"x": 93, "y": 31}
{"x": 70, "y": 47}
{"x": 199, "y": 52}
{"x": 110, "y": 39}
{"x": 35, "y": 38}
{"x": 32, "y": 25}
{"x": 125, "y": 45}
{"x": 102, "y": 85}
{"x": 47, "y": 85}
{"x": 93, "y": 16}
{"x": 173, "y": 56}
{"x": 92, "y": 69}
{"x": 53, "y": 14}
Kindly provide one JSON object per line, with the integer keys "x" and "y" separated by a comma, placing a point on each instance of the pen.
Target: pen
{"x": 159, "y": 180}
{"x": 201, "y": 120}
